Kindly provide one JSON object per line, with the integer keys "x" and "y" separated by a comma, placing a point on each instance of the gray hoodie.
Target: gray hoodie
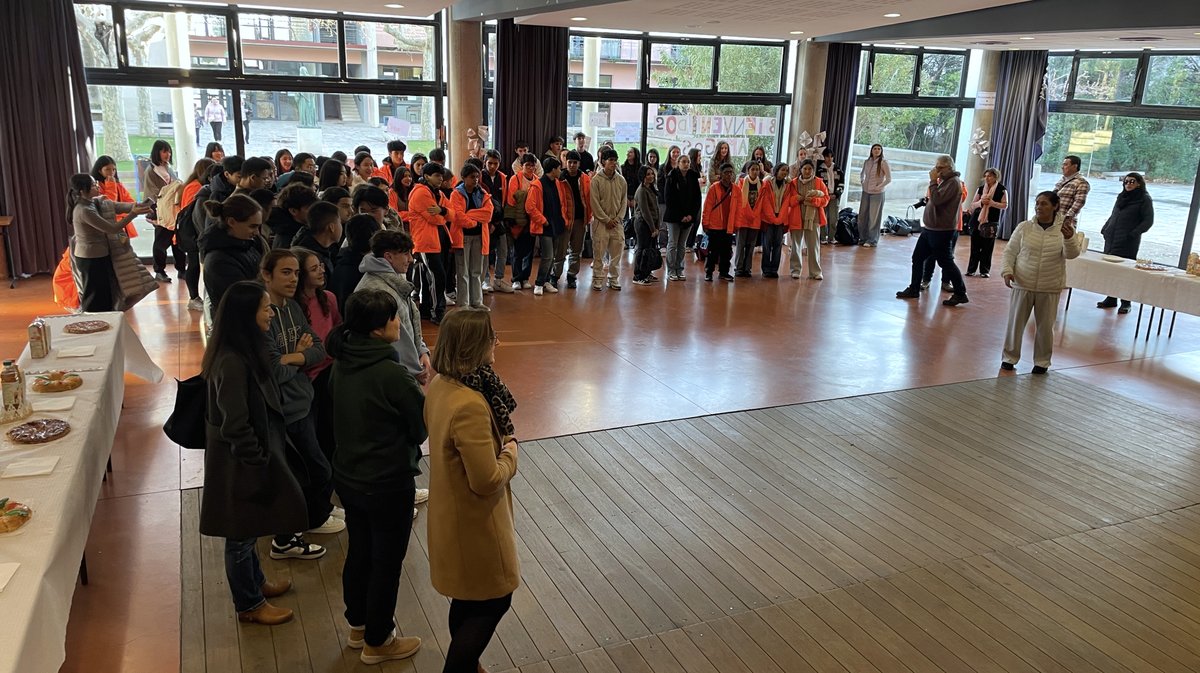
{"x": 295, "y": 388}
{"x": 379, "y": 275}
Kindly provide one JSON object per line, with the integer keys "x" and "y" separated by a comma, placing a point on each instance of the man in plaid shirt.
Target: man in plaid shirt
{"x": 1072, "y": 190}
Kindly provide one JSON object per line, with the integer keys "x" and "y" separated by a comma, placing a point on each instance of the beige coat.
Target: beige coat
{"x": 472, "y": 541}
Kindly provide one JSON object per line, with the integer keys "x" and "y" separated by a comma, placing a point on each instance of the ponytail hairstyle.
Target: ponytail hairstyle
{"x": 238, "y": 207}
{"x": 305, "y": 256}
{"x": 79, "y": 185}
{"x": 366, "y": 311}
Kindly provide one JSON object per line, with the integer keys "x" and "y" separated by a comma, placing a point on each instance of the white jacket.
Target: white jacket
{"x": 1037, "y": 258}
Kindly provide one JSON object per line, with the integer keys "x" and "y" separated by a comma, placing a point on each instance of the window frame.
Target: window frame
{"x": 1135, "y": 107}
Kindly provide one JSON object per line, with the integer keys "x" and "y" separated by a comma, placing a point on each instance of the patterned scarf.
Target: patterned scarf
{"x": 485, "y": 381}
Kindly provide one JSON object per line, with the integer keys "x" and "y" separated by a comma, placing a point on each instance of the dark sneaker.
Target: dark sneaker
{"x": 708, "y": 277}
{"x": 1040, "y": 370}
{"x": 727, "y": 277}
{"x": 297, "y": 548}
{"x": 162, "y": 277}
{"x": 571, "y": 283}
{"x": 908, "y": 293}
{"x": 1007, "y": 366}
{"x": 955, "y": 300}
{"x": 924, "y": 285}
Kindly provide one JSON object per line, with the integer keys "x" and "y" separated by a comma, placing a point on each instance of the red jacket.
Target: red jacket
{"x": 534, "y": 204}
{"x": 422, "y": 225}
{"x": 721, "y": 207}
{"x": 796, "y": 216}
{"x": 766, "y": 203}
{"x": 467, "y": 219}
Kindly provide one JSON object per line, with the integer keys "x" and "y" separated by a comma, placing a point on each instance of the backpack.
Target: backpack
{"x": 846, "y": 232}
{"x": 185, "y": 228}
{"x": 168, "y": 204}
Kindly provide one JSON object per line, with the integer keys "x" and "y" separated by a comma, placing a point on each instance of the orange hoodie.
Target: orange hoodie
{"x": 721, "y": 207}
{"x": 795, "y": 218}
{"x": 468, "y": 219}
{"x": 422, "y": 225}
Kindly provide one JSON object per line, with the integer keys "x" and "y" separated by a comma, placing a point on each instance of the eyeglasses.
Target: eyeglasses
{"x": 1130, "y": 181}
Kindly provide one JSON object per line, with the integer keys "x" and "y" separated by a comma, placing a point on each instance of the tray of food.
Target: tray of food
{"x": 39, "y": 431}
{"x": 56, "y": 382}
{"x": 13, "y": 515}
{"x": 86, "y": 327}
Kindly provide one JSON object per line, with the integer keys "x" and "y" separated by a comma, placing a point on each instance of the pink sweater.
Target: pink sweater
{"x": 322, "y": 324}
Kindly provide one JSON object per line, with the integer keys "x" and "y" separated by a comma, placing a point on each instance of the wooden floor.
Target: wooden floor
{"x": 1010, "y": 525}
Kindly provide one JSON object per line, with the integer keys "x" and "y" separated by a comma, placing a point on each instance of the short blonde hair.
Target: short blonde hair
{"x": 464, "y": 338}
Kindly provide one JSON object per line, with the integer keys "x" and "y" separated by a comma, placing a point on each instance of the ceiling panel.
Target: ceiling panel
{"x": 1115, "y": 40}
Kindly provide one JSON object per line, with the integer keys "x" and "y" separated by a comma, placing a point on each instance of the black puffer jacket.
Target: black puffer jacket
{"x": 228, "y": 260}
{"x": 1132, "y": 215}
{"x": 682, "y": 195}
{"x": 283, "y": 227}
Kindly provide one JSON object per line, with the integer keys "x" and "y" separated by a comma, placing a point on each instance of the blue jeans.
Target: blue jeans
{"x": 244, "y": 574}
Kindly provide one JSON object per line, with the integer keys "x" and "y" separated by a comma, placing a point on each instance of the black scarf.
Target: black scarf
{"x": 1130, "y": 197}
{"x": 485, "y": 381}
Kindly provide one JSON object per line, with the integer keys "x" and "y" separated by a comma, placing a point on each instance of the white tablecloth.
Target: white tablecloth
{"x": 1172, "y": 289}
{"x": 37, "y": 601}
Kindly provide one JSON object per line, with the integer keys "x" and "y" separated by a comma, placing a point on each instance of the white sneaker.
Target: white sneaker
{"x": 331, "y": 525}
{"x": 196, "y": 304}
{"x": 415, "y": 513}
{"x": 422, "y": 496}
{"x": 818, "y": 277}
{"x": 537, "y": 290}
{"x": 338, "y": 513}
{"x": 504, "y": 287}
{"x": 450, "y": 299}
{"x": 516, "y": 285}
{"x": 487, "y": 287}
{"x": 549, "y": 287}
{"x": 795, "y": 275}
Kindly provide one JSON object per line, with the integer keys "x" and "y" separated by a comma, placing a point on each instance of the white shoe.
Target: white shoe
{"x": 338, "y": 513}
{"x": 537, "y": 290}
{"x": 487, "y": 287}
{"x": 795, "y": 275}
{"x": 549, "y": 287}
{"x": 504, "y": 287}
{"x": 818, "y": 277}
{"x": 422, "y": 496}
{"x": 516, "y": 285}
{"x": 331, "y": 525}
{"x": 415, "y": 513}
{"x": 196, "y": 304}
{"x": 450, "y": 299}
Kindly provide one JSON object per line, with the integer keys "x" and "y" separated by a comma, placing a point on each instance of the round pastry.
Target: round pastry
{"x": 39, "y": 431}
{"x": 56, "y": 382}
{"x": 13, "y": 515}
{"x": 86, "y": 327}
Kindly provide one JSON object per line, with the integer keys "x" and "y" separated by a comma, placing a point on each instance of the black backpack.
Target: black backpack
{"x": 846, "y": 232}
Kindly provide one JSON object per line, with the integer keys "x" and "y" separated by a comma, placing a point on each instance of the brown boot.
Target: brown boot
{"x": 355, "y": 640}
{"x": 277, "y": 588}
{"x": 266, "y": 614}
{"x": 393, "y": 649}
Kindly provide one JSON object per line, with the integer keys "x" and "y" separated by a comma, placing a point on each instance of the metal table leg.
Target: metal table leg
{"x": 1068, "y": 306}
{"x": 1160, "y": 320}
{"x": 1172, "y": 329}
{"x": 1150, "y": 323}
{"x": 1138, "y": 328}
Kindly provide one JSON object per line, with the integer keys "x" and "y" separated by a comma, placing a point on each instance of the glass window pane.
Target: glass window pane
{"x": 750, "y": 68}
{"x": 600, "y": 62}
{"x": 618, "y": 123}
{"x": 680, "y": 66}
{"x": 97, "y": 39}
{"x": 322, "y": 123}
{"x": 912, "y": 138}
{"x": 1164, "y": 151}
{"x": 893, "y": 73}
{"x": 129, "y": 119}
{"x": 1058, "y": 75}
{"x": 1173, "y": 80}
{"x": 288, "y": 45}
{"x": 176, "y": 40}
{"x": 744, "y": 127}
{"x": 391, "y": 51}
{"x": 1106, "y": 79}
{"x": 941, "y": 74}
{"x": 491, "y": 56}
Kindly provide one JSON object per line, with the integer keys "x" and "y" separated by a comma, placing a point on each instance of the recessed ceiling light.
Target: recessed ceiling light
{"x": 797, "y": 32}
{"x": 892, "y": 15}
{"x": 579, "y": 18}
{"x": 899, "y": 43}
{"x": 1025, "y": 38}
{"x": 393, "y": 5}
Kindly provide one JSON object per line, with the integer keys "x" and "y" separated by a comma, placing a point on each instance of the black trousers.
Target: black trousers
{"x": 441, "y": 265}
{"x": 96, "y": 293}
{"x": 720, "y": 251}
{"x": 378, "y": 525}
{"x": 164, "y": 238}
{"x": 472, "y": 624}
{"x": 216, "y": 129}
{"x": 937, "y": 246}
{"x": 981, "y": 253}
{"x": 313, "y": 471}
{"x": 322, "y": 413}
{"x": 641, "y": 255}
{"x": 192, "y": 275}
{"x": 522, "y": 263}
{"x": 927, "y": 275}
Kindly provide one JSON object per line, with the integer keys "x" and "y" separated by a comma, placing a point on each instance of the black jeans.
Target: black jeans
{"x": 472, "y": 624}
{"x": 312, "y": 470}
{"x": 165, "y": 238}
{"x": 720, "y": 250}
{"x": 937, "y": 246}
{"x": 927, "y": 275}
{"x": 522, "y": 263}
{"x": 377, "y": 525}
{"x": 96, "y": 294}
{"x": 441, "y": 266}
{"x": 216, "y": 129}
{"x": 641, "y": 256}
{"x": 192, "y": 275}
{"x": 981, "y": 253}
{"x": 244, "y": 574}
{"x": 322, "y": 413}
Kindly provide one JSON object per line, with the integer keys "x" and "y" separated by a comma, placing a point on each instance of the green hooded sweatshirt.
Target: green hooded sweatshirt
{"x": 378, "y": 412}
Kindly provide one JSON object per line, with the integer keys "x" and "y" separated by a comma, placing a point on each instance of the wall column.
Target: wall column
{"x": 988, "y": 74}
{"x": 808, "y": 93}
{"x": 464, "y": 86}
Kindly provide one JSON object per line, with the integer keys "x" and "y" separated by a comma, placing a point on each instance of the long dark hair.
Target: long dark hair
{"x": 213, "y": 147}
{"x": 156, "y": 151}
{"x": 366, "y": 311}
{"x": 235, "y": 330}
{"x": 637, "y": 157}
{"x": 102, "y": 161}
{"x": 278, "y": 156}
{"x": 330, "y": 174}
{"x": 80, "y": 184}
{"x": 398, "y": 175}
{"x": 304, "y": 255}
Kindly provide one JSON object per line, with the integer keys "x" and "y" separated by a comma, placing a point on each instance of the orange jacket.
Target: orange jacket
{"x": 190, "y": 190}
{"x": 534, "y": 204}
{"x": 748, "y": 216}
{"x": 766, "y": 203}
{"x": 795, "y": 218}
{"x": 422, "y": 225}
{"x": 113, "y": 190}
{"x": 585, "y": 192}
{"x": 721, "y": 207}
{"x": 515, "y": 184}
{"x": 467, "y": 219}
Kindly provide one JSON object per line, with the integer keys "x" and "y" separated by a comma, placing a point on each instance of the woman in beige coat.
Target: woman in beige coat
{"x": 472, "y": 459}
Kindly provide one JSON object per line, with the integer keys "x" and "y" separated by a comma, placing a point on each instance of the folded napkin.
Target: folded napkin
{"x": 7, "y": 570}
{"x": 76, "y": 352}
{"x": 30, "y": 467}
{"x": 54, "y": 403}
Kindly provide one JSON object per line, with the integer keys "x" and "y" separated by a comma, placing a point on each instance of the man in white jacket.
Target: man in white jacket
{"x": 1035, "y": 267}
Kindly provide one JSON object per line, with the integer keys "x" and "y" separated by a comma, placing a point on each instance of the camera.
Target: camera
{"x": 921, "y": 203}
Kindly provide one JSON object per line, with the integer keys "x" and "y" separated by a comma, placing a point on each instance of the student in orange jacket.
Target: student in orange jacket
{"x": 722, "y": 206}
{"x": 517, "y": 218}
{"x": 394, "y": 159}
{"x": 578, "y": 213}
{"x": 429, "y": 219}
{"x": 105, "y": 173}
{"x": 806, "y": 218}
{"x": 547, "y": 205}
{"x": 495, "y": 183}
{"x": 748, "y": 219}
{"x": 774, "y": 207}
{"x": 472, "y": 208}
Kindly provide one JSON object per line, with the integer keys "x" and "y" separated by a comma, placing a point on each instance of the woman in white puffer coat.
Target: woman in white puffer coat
{"x": 1035, "y": 267}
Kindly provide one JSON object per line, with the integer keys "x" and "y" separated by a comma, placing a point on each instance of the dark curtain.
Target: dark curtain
{"x": 841, "y": 88}
{"x": 1018, "y": 127}
{"x": 531, "y": 86}
{"x": 45, "y": 126}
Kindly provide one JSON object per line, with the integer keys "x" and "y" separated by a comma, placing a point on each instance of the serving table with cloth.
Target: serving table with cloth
{"x": 36, "y": 602}
{"x": 1169, "y": 290}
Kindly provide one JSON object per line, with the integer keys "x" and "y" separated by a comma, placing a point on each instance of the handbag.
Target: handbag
{"x": 654, "y": 260}
{"x": 185, "y": 425}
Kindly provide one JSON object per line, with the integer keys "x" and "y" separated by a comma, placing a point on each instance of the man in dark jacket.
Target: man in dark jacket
{"x": 346, "y": 274}
{"x": 322, "y": 234}
{"x": 942, "y": 217}
{"x": 287, "y": 218}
